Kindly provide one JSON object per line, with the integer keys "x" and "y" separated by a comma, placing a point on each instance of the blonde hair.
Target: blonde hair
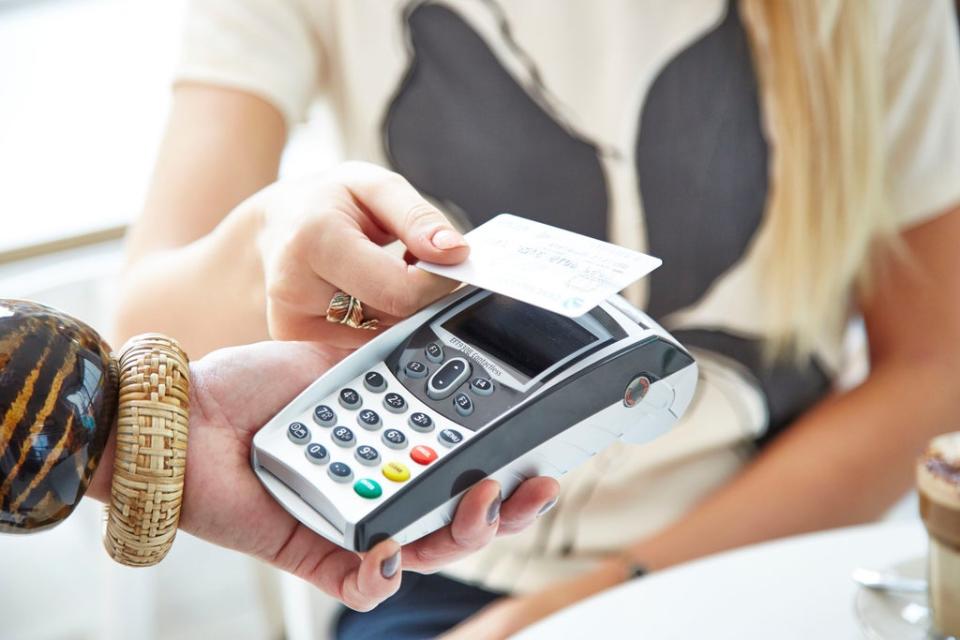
{"x": 821, "y": 83}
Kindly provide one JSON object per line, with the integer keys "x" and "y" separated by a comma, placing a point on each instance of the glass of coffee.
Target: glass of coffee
{"x": 938, "y": 484}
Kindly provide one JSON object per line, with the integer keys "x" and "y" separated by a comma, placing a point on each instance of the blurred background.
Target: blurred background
{"x": 84, "y": 91}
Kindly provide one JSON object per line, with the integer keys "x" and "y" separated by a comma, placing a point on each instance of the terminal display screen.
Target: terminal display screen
{"x": 528, "y": 339}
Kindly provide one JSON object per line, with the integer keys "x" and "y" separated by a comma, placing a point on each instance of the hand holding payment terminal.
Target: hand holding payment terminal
{"x": 477, "y": 385}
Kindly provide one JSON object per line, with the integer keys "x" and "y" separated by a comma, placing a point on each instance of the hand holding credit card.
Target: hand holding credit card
{"x": 551, "y": 268}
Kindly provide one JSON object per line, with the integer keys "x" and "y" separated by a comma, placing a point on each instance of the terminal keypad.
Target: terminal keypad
{"x": 376, "y": 437}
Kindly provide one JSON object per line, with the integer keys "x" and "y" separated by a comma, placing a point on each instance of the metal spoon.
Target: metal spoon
{"x": 885, "y": 581}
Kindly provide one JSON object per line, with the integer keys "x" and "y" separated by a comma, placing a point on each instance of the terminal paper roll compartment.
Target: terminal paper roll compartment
{"x": 477, "y": 385}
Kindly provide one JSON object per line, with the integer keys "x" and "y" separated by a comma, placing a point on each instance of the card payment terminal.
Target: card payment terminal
{"x": 477, "y": 385}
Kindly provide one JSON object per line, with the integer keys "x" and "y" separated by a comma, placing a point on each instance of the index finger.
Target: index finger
{"x": 403, "y": 212}
{"x": 479, "y": 517}
{"x": 349, "y": 260}
{"x": 474, "y": 525}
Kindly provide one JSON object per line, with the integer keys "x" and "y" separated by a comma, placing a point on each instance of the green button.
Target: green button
{"x": 367, "y": 488}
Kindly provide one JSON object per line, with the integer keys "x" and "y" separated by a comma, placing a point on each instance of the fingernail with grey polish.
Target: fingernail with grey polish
{"x": 493, "y": 511}
{"x": 389, "y": 567}
{"x": 547, "y": 507}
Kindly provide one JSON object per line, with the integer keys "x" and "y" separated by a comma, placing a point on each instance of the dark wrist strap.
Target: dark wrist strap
{"x": 632, "y": 568}
{"x": 636, "y": 570}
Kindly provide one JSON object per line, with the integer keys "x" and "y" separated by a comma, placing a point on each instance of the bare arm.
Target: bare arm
{"x": 852, "y": 456}
{"x": 183, "y": 277}
{"x": 842, "y": 463}
{"x": 219, "y": 258}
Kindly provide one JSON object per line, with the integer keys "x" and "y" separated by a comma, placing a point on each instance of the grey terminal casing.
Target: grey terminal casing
{"x": 564, "y": 390}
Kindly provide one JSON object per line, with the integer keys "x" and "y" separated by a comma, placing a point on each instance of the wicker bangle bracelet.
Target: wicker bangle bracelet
{"x": 151, "y": 451}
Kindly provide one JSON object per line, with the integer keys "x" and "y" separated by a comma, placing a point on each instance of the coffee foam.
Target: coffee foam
{"x": 938, "y": 472}
{"x": 947, "y": 448}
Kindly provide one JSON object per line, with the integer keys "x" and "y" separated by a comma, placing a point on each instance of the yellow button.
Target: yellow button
{"x": 396, "y": 471}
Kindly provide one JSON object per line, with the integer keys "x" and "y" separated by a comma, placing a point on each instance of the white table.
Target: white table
{"x": 794, "y": 588}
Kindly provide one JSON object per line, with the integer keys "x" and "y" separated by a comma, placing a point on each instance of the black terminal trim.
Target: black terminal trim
{"x": 519, "y": 431}
{"x": 487, "y": 408}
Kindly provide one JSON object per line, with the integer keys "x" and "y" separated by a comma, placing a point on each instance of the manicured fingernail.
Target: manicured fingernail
{"x": 448, "y": 239}
{"x": 493, "y": 511}
{"x": 388, "y": 568}
{"x": 547, "y": 507}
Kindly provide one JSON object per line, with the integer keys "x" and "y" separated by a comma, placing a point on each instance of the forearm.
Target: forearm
{"x": 192, "y": 268}
{"x": 208, "y": 293}
{"x": 102, "y": 478}
{"x": 844, "y": 462}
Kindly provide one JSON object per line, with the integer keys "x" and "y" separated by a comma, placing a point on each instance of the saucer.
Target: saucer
{"x": 896, "y": 616}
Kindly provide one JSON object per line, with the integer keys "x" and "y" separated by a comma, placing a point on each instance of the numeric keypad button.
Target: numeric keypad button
{"x": 394, "y": 439}
{"x": 481, "y": 386}
{"x": 350, "y": 399}
{"x": 316, "y": 453}
{"x": 374, "y": 381}
{"x": 394, "y": 403}
{"x": 343, "y": 436}
{"x": 434, "y": 352}
{"x": 420, "y": 421}
{"x": 298, "y": 433}
{"x": 450, "y": 437}
{"x": 369, "y": 419}
{"x": 324, "y": 416}
{"x": 463, "y": 404}
{"x": 367, "y": 455}
{"x": 339, "y": 472}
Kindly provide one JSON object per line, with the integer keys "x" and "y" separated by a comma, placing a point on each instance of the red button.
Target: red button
{"x": 423, "y": 455}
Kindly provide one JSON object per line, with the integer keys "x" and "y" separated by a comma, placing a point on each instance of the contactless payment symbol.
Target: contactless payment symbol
{"x": 584, "y": 283}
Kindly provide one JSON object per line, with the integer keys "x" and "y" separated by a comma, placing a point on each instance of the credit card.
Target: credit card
{"x": 551, "y": 268}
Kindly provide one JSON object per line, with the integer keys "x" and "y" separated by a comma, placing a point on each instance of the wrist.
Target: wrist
{"x": 248, "y": 222}
{"x": 621, "y": 568}
{"x": 607, "y": 575}
{"x": 147, "y": 487}
{"x": 248, "y": 226}
{"x": 102, "y": 479}
{"x": 99, "y": 487}
{"x": 615, "y": 571}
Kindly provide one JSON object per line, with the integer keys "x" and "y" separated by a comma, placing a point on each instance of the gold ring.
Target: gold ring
{"x": 345, "y": 309}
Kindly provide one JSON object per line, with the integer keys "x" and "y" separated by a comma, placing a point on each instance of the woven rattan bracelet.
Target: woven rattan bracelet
{"x": 151, "y": 451}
